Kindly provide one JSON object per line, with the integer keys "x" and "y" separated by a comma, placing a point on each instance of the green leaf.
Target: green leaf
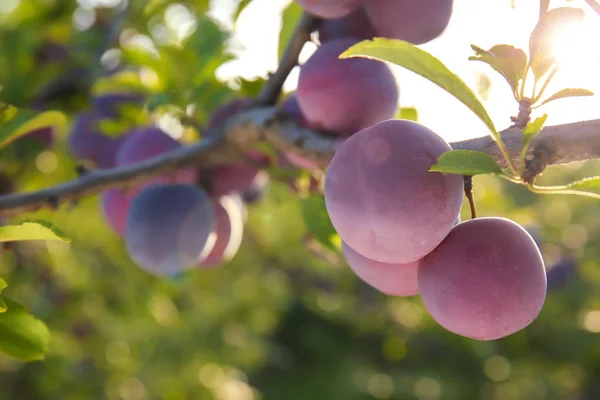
{"x": 530, "y": 132}
{"x": 466, "y": 162}
{"x": 586, "y": 183}
{"x": 561, "y": 94}
{"x": 507, "y": 60}
{"x": 31, "y": 230}
{"x": 3, "y": 285}
{"x": 409, "y": 113}
{"x": 2, "y": 306}
{"x": 22, "y": 336}
{"x": 318, "y": 222}
{"x": 241, "y": 6}
{"x": 15, "y": 123}
{"x": 422, "y": 63}
{"x": 542, "y": 37}
{"x": 289, "y": 20}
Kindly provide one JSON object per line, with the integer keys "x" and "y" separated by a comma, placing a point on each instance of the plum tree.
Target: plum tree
{"x": 415, "y": 21}
{"x": 86, "y": 142}
{"x": 486, "y": 280}
{"x": 170, "y": 228}
{"x": 356, "y": 24}
{"x": 391, "y": 279}
{"x": 343, "y": 96}
{"x": 229, "y": 230}
{"x": 330, "y": 8}
{"x": 381, "y": 198}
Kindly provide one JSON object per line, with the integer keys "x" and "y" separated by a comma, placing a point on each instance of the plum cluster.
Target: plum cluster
{"x": 414, "y": 21}
{"x": 183, "y": 219}
{"x": 483, "y": 278}
{"x": 399, "y": 223}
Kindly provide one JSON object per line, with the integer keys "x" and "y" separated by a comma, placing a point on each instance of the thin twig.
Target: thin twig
{"x": 469, "y": 195}
{"x": 270, "y": 92}
{"x": 594, "y": 5}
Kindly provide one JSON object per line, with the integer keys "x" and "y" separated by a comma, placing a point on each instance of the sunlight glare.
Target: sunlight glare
{"x": 569, "y": 44}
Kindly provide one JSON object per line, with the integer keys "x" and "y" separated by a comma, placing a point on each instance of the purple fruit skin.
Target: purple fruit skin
{"x": 169, "y": 228}
{"x": 355, "y": 25}
{"x": 381, "y": 198}
{"x": 485, "y": 281}
{"x": 134, "y": 147}
{"x": 391, "y": 279}
{"x": 115, "y": 206}
{"x": 108, "y": 155}
{"x": 229, "y": 228}
{"x": 414, "y": 21}
{"x": 330, "y": 8}
{"x": 343, "y": 96}
{"x": 148, "y": 142}
{"x": 85, "y": 140}
{"x": 108, "y": 104}
{"x": 228, "y": 110}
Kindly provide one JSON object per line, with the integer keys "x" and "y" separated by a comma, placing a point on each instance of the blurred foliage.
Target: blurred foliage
{"x": 285, "y": 319}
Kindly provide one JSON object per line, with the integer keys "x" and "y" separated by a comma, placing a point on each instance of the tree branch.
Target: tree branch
{"x": 595, "y": 6}
{"x": 270, "y": 92}
{"x": 558, "y": 144}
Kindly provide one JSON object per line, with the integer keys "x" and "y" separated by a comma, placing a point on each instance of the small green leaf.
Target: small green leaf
{"x": 318, "y": 222}
{"x": 466, "y": 162}
{"x": 422, "y": 63}
{"x": 22, "y": 336}
{"x": 289, "y": 19}
{"x": 16, "y": 123}
{"x": 529, "y": 133}
{"x": 507, "y": 60}
{"x": 2, "y": 305}
{"x": 586, "y": 183}
{"x": 31, "y": 230}
{"x": 241, "y": 6}
{"x": 542, "y": 37}
{"x": 409, "y": 113}
{"x": 3, "y": 285}
{"x": 561, "y": 94}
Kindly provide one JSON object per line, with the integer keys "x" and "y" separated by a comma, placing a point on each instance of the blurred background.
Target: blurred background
{"x": 286, "y": 319}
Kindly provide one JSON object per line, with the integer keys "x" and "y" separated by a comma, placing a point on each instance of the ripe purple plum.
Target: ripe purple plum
{"x": 134, "y": 147}
{"x": 237, "y": 177}
{"x": 170, "y": 228}
{"x": 115, "y": 205}
{"x": 149, "y": 142}
{"x": 229, "y": 230}
{"x": 256, "y": 189}
{"x": 343, "y": 96}
{"x": 109, "y": 104}
{"x": 108, "y": 155}
{"x": 414, "y": 21}
{"x": 391, "y": 279}
{"x": 86, "y": 142}
{"x": 381, "y": 198}
{"x": 485, "y": 281}
{"x": 228, "y": 110}
{"x": 330, "y": 8}
{"x": 356, "y": 25}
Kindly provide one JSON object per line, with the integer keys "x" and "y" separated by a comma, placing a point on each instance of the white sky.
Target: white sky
{"x": 484, "y": 23}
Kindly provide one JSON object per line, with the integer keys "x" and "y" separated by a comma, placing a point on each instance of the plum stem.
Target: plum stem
{"x": 469, "y": 194}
